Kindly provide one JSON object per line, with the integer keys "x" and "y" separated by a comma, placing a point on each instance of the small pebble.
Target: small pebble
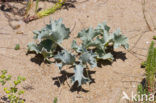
{"x": 147, "y": 42}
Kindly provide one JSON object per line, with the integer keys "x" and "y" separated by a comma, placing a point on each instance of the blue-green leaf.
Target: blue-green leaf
{"x": 120, "y": 40}
{"x": 65, "y": 57}
{"x": 89, "y": 57}
{"x": 78, "y": 76}
{"x": 55, "y": 31}
{"x": 46, "y": 48}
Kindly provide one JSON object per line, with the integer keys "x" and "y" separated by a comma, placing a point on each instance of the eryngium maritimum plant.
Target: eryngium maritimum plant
{"x": 96, "y": 44}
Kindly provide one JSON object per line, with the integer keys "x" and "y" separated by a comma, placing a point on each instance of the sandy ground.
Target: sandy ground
{"x": 124, "y": 74}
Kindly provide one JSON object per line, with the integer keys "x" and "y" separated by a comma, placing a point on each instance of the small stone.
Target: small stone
{"x": 147, "y": 42}
{"x": 19, "y": 32}
{"x": 16, "y": 24}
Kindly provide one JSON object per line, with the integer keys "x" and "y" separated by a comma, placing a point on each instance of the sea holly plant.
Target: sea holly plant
{"x": 13, "y": 93}
{"x": 96, "y": 44}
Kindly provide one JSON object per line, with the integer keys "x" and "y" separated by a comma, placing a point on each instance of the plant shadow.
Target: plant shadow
{"x": 65, "y": 75}
{"x": 61, "y": 79}
{"x": 6, "y": 100}
{"x": 76, "y": 88}
{"x": 67, "y": 4}
{"x": 38, "y": 59}
{"x": 116, "y": 55}
{"x": 143, "y": 83}
{"x": 88, "y": 73}
{"x": 119, "y": 55}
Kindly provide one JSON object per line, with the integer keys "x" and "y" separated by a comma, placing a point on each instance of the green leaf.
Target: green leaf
{"x": 13, "y": 90}
{"x": 89, "y": 57}
{"x": 20, "y": 92}
{"x": 143, "y": 64}
{"x": 16, "y": 82}
{"x": 21, "y": 78}
{"x": 87, "y": 34}
{"x": 103, "y": 27}
{"x": 120, "y": 40}
{"x": 4, "y": 71}
{"x": 3, "y": 76}
{"x": 21, "y": 101}
{"x": 55, "y": 31}
{"x": 55, "y": 100}
{"x": 8, "y": 77}
{"x": 9, "y": 97}
{"x": 77, "y": 48}
{"x": 49, "y": 39}
{"x": 154, "y": 37}
{"x": 33, "y": 47}
{"x": 108, "y": 56}
{"x": 2, "y": 82}
{"x": 104, "y": 56}
{"x": 7, "y": 91}
{"x": 17, "y": 47}
{"x": 40, "y": 35}
{"x": 65, "y": 57}
{"x": 46, "y": 48}
{"x": 78, "y": 76}
{"x": 99, "y": 40}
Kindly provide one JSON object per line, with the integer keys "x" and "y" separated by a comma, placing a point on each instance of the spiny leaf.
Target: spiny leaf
{"x": 107, "y": 56}
{"x": 120, "y": 40}
{"x": 103, "y": 27}
{"x": 78, "y": 76}
{"x": 77, "y": 48}
{"x": 46, "y": 48}
{"x": 55, "y": 31}
{"x": 65, "y": 57}
{"x": 99, "y": 40}
{"x": 89, "y": 57}
{"x": 87, "y": 34}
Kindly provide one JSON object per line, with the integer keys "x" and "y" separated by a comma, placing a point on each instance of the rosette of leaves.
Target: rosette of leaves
{"x": 96, "y": 44}
{"x": 49, "y": 38}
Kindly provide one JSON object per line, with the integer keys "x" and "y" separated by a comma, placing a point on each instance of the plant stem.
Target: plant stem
{"x": 29, "y": 5}
{"x": 50, "y": 10}
{"x": 36, "y": 8}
